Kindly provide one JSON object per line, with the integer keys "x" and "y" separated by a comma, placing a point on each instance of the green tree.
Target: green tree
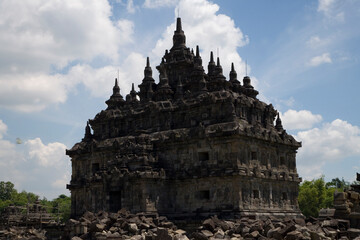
{"x": 7, "y": 190}
{"x": 337, "y": 183}
{"x": 62, "y": 205}
{"x": 9, "y": 195}
{"x": 316, "y": 194}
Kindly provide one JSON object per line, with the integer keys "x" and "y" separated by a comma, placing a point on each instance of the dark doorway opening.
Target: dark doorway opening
{"x": 203, "y": 156}
{"x": 115, "y": 201}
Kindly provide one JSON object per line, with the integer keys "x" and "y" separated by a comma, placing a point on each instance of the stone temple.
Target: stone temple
{"x": 192, "y": 145}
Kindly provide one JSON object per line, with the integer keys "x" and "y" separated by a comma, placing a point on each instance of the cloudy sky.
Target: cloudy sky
{"x": 59, "y": 58}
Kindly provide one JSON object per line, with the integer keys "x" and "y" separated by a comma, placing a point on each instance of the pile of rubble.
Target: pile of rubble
{"x": 140, "y": 226}
{"x": 122, "y": 225}
{"x": 23, "y": 233}
{"x": 291, "y": 229}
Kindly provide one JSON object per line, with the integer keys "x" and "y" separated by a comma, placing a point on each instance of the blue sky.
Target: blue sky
{"x": 58, "y": 61}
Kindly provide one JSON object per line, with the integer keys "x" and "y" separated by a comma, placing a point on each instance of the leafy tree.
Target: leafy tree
{"x": 6, "y": 190}
{"x": 62, "y": 205}
{"x": 9, "y": 195}
{"x": 337, "y": 183}
{"x": 316, "y": 194}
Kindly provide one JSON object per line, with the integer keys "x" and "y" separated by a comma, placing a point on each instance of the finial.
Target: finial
{"x": 233, "y": 74}
{"x": 211, "y": 65}
{"x": 278, "y": 125}
{"x": 218, "y": 68}
{"x": 178, "y": 25}
{"x": 197, "y": 58}
{"x": 87, "y": 131}
{"x": 133, "y": 93}
{"x": 116, "y": 88}
{"x": 179, "y": 38}
{"x": 148, "y": 70}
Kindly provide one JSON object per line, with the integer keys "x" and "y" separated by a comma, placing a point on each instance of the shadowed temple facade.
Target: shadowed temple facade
{"x": 192, "y": 145}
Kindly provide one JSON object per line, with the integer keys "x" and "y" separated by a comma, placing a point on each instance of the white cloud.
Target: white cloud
{"x": 331, "y": 9}
{"x": 101, "y": 80}
{"x": 325, "y": 5}
{"x": 315, "y": 42}
{"x": 45, "y": 155}
{"x": 30, "y": 92}
{"x": 333, "y": 142}
{"x": 3, "y": 129}
{"x": 302, "y": 119}
{"x": 130, "y": 6}
{"x": 34, "y": 166}
{"x": 126, "y": 30}
{"x": 204, "y": 27}
{"x": 318, "y": 60}
{"x": 159, "y": 3}
{"x": 40, "y": 37}
{"x": 34, "y": 33}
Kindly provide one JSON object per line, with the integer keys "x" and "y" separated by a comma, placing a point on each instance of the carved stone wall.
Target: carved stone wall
{"x": 193, "y": 145}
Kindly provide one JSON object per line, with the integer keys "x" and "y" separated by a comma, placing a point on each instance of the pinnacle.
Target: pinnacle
{"x": 211, "y": 57}
{"x": 178, "y": 25}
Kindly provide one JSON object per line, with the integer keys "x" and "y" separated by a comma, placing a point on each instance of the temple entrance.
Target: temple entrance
{"x": 115, "y": 201}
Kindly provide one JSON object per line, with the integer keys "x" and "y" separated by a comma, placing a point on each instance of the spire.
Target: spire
{"x": 88, "y": 134}
{"x": 197, "y": 58}
{"x": 116, "y": 99}
{"x": 179, "y": 38}
{"x": 133, "y": 92}
{"x": 233, "y": 74}
{"x": 278, "y": 125}
{"x": 147, "y": 70}
{"x": 219, "y": 70}
{"x": 178, "y": 25}
{"x": 147, "y": 82}
{"x": 211, "y": 65}
{"x": 116, "y": 88}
